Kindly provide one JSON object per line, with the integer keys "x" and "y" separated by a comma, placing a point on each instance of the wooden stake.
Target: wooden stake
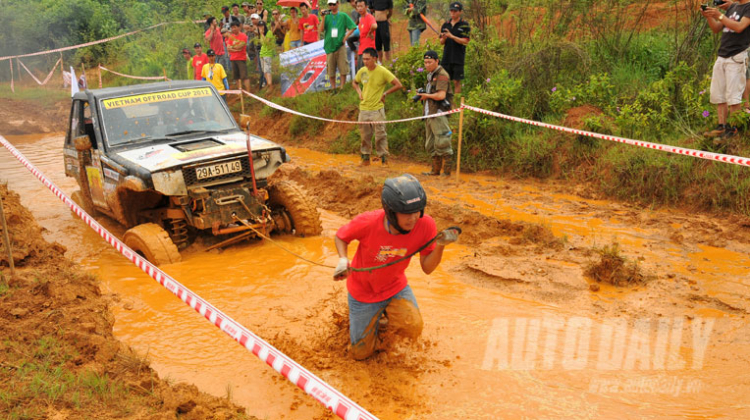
{"x": 242, "y": 96}
{"x": 460, "y": 137}
{"x": 6, "y": 239}
{"x": 83, "y": 73}
{"x": 99, "y": 73}
{"x": 164, "y": 69}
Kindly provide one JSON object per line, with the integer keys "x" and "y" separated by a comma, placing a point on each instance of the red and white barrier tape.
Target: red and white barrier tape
{"x": 46, "y": 79}
{"x": 281, "y": 108}
{"x": 304, "y": 379}
{"x": 101, "y": 41}
{"x": 737, "y": 160}
{"x": 165, "y": 78}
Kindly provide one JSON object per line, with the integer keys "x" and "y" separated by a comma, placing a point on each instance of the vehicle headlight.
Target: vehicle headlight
{"x": 169, "y": 182}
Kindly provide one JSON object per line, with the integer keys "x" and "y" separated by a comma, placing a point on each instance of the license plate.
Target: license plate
{"x": 218, "y": 169}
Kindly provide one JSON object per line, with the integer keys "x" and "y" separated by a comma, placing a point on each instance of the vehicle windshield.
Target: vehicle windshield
{"x": 157, "y": 115}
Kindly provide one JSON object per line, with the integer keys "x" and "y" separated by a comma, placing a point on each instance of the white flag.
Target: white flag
{"x": 73, "y": 82}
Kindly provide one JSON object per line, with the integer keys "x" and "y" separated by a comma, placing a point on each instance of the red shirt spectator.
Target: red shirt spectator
{"x": 215, "y": 40}
{"x": 198, "y": 62}
{"x": 366, "y": 36}
{"x": 309, "y": 27}
{"x": 241, "y": 54}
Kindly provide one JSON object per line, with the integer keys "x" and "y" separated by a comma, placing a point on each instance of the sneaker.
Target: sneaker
{"x": 729, "y": 132}
{"x": 384, "y": 160}
{"x": 718, "y": 131}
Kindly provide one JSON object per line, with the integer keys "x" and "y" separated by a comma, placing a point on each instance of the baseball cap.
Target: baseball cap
{"x": 197, "y": 45}
{"x": 431, "y": 54}
{"x": 210, "y": 53}
{"x": 457, "y": 6}
{"x": 332, "y": 1}
{"x": 226, "y": 8}
{"x": 254, "y": 16}
{"x": 185, "y": 50}
{"x": 244, "y": 3}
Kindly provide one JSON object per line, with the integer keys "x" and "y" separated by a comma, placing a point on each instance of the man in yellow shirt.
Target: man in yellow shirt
{"x": 215, "y": 73}
{"x": 374, "y": 78}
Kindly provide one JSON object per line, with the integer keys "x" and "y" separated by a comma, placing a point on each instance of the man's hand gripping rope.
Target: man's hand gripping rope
{"x": 445, "y": 237}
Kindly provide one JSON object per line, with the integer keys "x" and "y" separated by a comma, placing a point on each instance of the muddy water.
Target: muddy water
{"x": 456, "y": 374}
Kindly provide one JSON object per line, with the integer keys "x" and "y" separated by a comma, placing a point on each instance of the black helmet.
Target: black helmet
{"x": 403, "y": 194}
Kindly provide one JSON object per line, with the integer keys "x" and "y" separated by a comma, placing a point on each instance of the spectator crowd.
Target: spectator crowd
{"x": 243, "y": 42}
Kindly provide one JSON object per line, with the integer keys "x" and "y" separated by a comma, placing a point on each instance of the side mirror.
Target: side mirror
{"x": 245, "y": 121}
{"x": 82, "y": 143}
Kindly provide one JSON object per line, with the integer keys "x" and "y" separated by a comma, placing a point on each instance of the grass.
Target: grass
{"x": 47, "y": 375}
{"x": 44, "y": 97}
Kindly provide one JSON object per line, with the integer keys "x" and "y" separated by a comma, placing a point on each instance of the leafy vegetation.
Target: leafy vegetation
{"x": 621, "y": 67}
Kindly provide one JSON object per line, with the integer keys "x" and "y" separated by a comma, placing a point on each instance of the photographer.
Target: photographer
{"x": 437, "y": 97}
{"x": 728, "y": 79}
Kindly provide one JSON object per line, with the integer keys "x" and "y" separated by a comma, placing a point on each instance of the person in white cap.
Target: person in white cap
{"x": 336, "y": 28}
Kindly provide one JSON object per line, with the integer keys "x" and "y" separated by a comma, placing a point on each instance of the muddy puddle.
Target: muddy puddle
{"x": 512, "y": 328}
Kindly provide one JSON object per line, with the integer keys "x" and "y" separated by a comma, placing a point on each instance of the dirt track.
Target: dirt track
{"x": 524, "y": 252}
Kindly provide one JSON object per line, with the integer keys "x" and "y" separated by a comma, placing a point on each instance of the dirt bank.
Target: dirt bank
{"x": 59, "y": 358}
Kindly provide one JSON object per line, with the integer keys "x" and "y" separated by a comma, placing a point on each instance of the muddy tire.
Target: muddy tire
{"x": 83, "y": 203}
{"x": 290, "y": 198}
{"x": 153, "y": 242}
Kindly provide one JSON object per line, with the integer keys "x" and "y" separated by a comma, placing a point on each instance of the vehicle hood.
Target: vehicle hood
{"x": 165, "y": 156}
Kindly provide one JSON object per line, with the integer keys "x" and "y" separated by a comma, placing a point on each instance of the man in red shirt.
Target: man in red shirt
{"x": 385, "y": 236}
{"x": 236, "y": 43}
{"x": 199, "y": 59}
{"x": 367, "y": 28}
{"x": 214, "y": 38}
{"x": 308, "y": 24}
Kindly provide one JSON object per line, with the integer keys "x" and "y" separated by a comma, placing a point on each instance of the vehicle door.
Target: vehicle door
{"x": 82, "y": 125}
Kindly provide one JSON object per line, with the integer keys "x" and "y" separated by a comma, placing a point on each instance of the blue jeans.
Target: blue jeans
{"x": 295, "y": 44}
{"x": 364, "y": 320}
{"x": 414, "y": 35}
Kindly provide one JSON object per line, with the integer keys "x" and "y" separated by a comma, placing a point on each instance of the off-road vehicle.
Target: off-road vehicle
{"x": 168, "y": 161}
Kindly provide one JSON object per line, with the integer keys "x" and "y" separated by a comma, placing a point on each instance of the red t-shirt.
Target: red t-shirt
{"x": 309, "y": 28}
{"x": 198, "y": 62}
{"x": 314, "y": 4}
{"x": 217, "y": 42}
{"x": 240, "y": 55}
{"x": 365, "y": 23}
{"x": 377, "y": 247}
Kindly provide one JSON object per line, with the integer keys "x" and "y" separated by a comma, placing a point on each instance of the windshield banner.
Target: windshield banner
{"x": 148, "y": 98}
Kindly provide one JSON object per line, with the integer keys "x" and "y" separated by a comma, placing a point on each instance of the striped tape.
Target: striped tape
{"x": 719, "y": 157}
{"x": 165, "y": 78}
{"x": 332, "y": 399}
{"x": 291, "y": 111}
{"x": 101, "y": 41}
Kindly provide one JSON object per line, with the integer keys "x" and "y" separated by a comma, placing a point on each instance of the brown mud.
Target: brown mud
{"x": 525, "y": 251}
{"x": 49, "y": 299}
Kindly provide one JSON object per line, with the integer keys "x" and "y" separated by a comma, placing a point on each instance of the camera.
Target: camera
{"x": 325, "y": 12}
{"x": 416, "y": 98}
{"x": 719, "y": 2}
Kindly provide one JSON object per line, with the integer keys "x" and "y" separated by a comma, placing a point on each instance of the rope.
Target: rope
{"x": 365, "y": 269}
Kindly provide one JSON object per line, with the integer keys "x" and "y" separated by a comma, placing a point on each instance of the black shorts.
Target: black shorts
{"x": 383, "y": 36}
{"x": 455, "y": 71}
